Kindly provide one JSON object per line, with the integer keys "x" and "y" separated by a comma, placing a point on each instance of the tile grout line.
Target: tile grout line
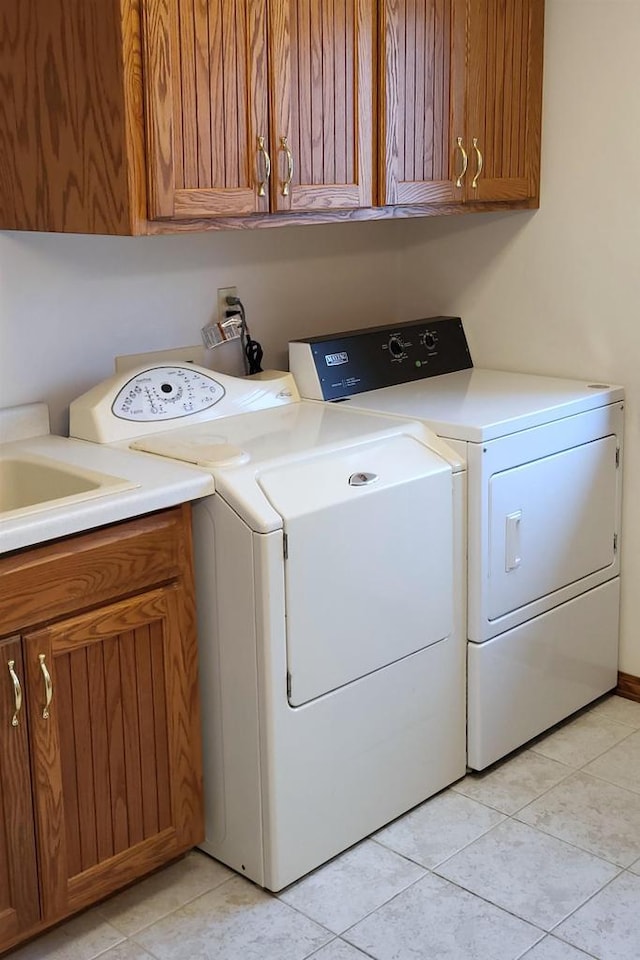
{"x": 597, "y": 755}
{"x": 431, "y": 869}
{"x": 588, "y": 956}
{"x": 572, "y": 843}
{"x": 170, "y": 913}
{"x": 364, "y": 917}
{"x": 598, "y": 776}
{"x": 570, "y": 771}
{"x": 588, "y": 900}
{"x": 130, "y": 938}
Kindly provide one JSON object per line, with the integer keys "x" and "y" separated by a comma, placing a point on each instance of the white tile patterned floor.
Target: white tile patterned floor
{"x": 537, "y": 858}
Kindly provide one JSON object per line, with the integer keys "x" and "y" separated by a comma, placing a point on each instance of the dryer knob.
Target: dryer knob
{"x": 395, "y": 347}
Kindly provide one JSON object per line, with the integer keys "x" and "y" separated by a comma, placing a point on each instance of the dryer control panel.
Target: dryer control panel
{"x": 340, "y": 365}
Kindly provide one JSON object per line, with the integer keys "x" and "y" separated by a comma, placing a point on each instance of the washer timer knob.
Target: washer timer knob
{"x": 395, "y": 347}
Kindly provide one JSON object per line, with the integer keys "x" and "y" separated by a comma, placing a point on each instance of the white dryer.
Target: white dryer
{"x": 331, "y": 659}
{"x": 544, "y": 504}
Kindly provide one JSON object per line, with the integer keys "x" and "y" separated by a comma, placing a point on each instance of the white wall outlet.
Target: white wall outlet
{"x": 223, "y": 293}
{"x": 129, "y": 361}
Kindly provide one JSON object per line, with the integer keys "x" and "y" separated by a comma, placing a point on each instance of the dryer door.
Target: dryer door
{"x": 369, "y": 568}
{"x": 551, "y": 523}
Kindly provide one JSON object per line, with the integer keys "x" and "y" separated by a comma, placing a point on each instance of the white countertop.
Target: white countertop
{"x": 159, "y": 483}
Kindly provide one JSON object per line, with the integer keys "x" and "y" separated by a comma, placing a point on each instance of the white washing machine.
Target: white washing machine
{"x": 544, "y": 482}
{"x": 331, "y": 648}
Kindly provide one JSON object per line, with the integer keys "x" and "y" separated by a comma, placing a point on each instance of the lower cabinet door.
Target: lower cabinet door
{"x": 19, "y": 903}
{"x": 115, "y": 739}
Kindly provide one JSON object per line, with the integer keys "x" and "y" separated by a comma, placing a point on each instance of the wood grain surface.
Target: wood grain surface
{"x": 422, "y": 87}
{"x": 83, "y": 819}
{"x": 628, "y": 686}
{"x": 116, "y": 786}
{"x": 389, "y": 212}
{"x": 63, "y": 162}
{"x": 321, "y": 84}
{"x": 144, "y": 116}
{"x": 19, "y": 900}
{"x": 504, "y": 98}
{"x": 207, "y": 103}
{"x": 82, "y": 571}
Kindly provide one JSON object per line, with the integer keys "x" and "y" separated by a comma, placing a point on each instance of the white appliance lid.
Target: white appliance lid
{"x": 238, "y": 450}
{"x": 478, "y": 405}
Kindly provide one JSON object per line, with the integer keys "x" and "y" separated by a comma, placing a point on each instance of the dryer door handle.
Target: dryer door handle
{"x": 512, "y": 558}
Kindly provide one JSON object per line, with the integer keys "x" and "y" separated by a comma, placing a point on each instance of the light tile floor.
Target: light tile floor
{"x": 537, "y": 858}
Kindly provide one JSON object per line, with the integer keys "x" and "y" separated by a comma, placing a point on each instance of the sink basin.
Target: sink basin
{"x": 29, "y": 483}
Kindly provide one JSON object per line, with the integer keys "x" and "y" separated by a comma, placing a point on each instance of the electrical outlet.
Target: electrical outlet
{"x": 195, "y": 354}
{"x": 223, "y": 293}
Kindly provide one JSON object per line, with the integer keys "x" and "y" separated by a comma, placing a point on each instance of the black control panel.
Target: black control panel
{"x": 358, "y": 360}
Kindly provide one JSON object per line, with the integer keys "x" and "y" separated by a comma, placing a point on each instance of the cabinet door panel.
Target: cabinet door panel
{"x": 504, "y": 97}
{"x": 321, "y": 76}
{"x": 113, "y": 795}
{"x": 422, "y": 100}
{"x": 207, "y": 105}
{"x": 19, "y": 902}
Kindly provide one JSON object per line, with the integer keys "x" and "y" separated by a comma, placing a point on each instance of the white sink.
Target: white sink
{"x": 31, "y": 483}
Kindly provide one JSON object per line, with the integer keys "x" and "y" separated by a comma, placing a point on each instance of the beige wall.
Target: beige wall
{"x": 69, "y": 304}
{"x": 558, "y": 291}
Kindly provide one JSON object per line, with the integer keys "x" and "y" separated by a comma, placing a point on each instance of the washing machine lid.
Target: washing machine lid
{"x": 479, "y": 405}
{"x": 240, "y": 450}
{"x": 233, "y": 427}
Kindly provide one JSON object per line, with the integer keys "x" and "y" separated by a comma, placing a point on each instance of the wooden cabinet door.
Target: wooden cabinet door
{"x": 321, "y": 84}
{"x": 422, "y": 101}
{"x": 114, "y": 730}
{"x": 205, "y": 74}
{"x": 504, "y": 96}
{"x": 19, "y": 902}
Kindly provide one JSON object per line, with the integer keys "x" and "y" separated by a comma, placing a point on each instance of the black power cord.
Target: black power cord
{"x": 251, "y": 349}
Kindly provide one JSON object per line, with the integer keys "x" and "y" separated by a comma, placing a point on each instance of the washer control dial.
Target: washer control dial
{"x": 166, "y": 393}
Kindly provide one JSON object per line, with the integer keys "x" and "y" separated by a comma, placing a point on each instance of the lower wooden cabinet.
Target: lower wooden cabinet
{"x": 19, "y": 901}
{"x": 100, "y": 766}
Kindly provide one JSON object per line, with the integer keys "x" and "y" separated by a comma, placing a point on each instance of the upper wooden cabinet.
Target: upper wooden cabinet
{"x": 422, "y": 86}
{"x": 461, "y": 84}
{"x": 155, "y": 116}
{"x": 504, "y": 99}
{"x": 255, "y": 107}
{"x": 205, "y": 69}
{"x": 321, "y": 66}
